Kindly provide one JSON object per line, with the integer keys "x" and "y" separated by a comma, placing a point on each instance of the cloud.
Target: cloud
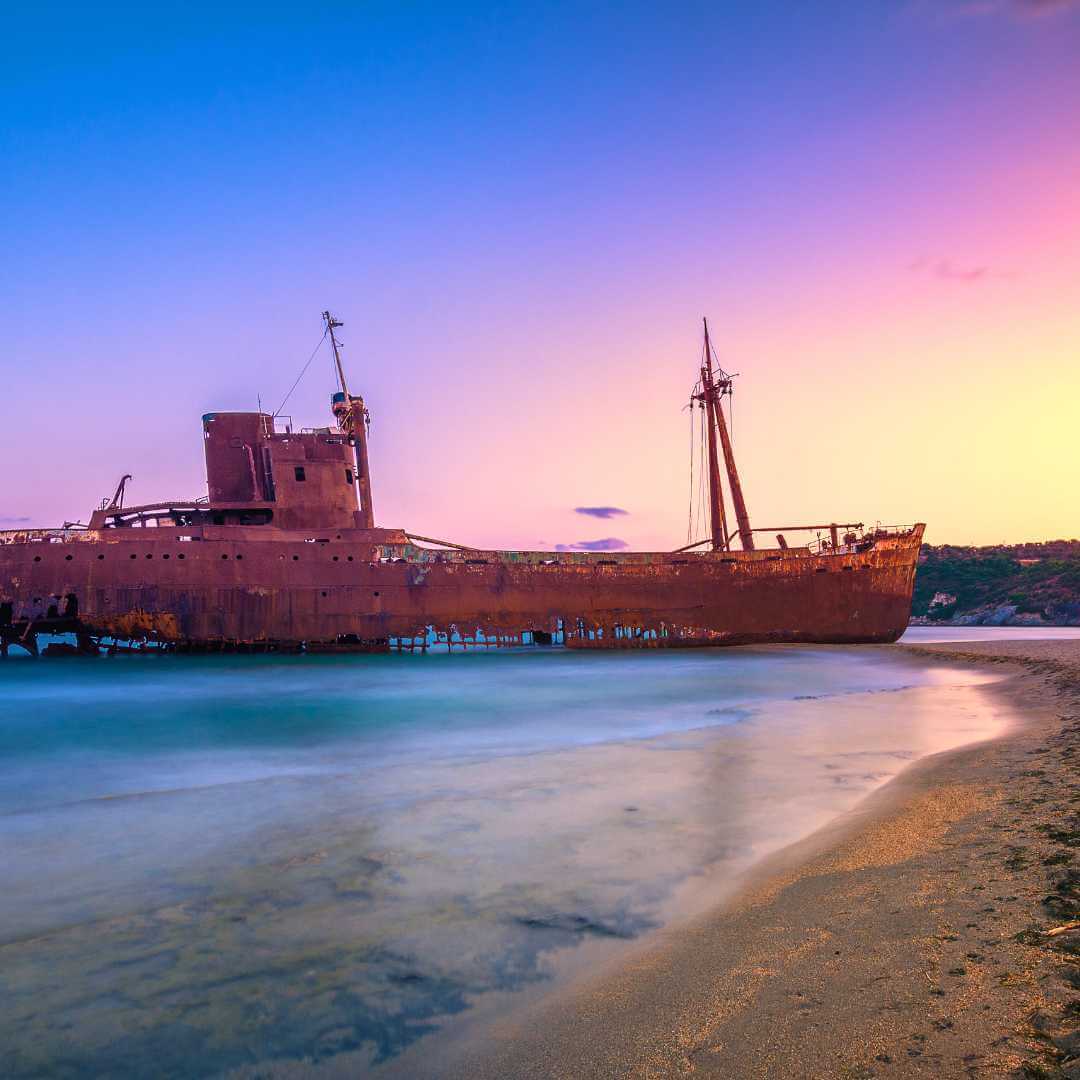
{"x": 1017, "y": 8}
{"x": 609, "y": 543}
{"x": 947, "y": 270}
{"x": 600, "y": 511}
{"x": 1041, "y": 7}
{"x": 950, "y": 10}
{"x": 7, "y": 519}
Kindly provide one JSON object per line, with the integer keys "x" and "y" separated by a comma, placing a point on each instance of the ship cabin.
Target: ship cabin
{"x": 257, "y": 475}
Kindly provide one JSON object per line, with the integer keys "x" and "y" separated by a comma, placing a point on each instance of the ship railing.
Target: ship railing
{"x": 864, "y": 538}
{"x": 40, "y": 536}
{"x": 881, "y": 531}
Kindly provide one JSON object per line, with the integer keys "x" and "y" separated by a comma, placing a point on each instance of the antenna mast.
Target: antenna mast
{"x": 353, "y": 419}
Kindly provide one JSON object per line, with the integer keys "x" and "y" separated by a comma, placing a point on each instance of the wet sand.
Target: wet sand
{"x": 907, "y": 938}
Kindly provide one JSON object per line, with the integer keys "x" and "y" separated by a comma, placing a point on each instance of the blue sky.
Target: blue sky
{"x": 520, "y": 211}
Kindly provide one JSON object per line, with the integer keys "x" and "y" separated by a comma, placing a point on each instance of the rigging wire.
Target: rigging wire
{"x": 303, "y": 372}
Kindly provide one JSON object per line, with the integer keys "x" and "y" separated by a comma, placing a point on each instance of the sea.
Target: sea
{"x": 335, "y": 865}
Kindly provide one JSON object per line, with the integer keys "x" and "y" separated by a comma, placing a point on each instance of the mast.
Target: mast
{"x": 717, "y": 516}
{"x": 719, "y": 388}
{"x": 352, "y": 417}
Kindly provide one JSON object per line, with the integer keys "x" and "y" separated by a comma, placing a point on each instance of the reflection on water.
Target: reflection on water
{"x": 222, "y": 864}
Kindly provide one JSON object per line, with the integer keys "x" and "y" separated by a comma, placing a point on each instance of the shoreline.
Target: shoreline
{"x": 884, "y": 944}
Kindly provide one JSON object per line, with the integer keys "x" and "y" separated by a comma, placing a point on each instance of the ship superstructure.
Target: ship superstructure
{"x": 283, "y": 553}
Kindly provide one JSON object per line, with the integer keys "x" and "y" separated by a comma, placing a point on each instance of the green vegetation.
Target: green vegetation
{"x": 1039, "y": 580}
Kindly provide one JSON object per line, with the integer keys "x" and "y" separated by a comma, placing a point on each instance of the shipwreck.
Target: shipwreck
{"x": 283, "y": 553}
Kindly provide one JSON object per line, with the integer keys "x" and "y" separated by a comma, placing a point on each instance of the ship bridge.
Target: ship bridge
{"x": 304, "y": 479}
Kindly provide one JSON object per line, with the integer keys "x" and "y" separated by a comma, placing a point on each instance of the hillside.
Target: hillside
{"x": 1034, "y": 584}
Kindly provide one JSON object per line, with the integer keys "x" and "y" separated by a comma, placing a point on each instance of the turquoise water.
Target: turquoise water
{"x": 219, "y": 864}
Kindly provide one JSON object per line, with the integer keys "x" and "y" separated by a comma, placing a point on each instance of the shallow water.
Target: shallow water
{"x": 921, "y": 635}
{"x": 214, "y": 864}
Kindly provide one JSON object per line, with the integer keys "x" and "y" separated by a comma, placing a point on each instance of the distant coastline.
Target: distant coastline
{"x": 1035, "y": 584}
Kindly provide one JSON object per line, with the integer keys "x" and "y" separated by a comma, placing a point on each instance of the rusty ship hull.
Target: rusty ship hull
{"x": 283, "y": 553}
{"x": 212, "y": 588}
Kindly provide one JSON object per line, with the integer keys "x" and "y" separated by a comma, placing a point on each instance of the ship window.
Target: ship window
{"x": 348, "y": 476}
{"x": 324, "y": 593}
{"x": 149, "y": 556}
{"x": 335, "y": 558}
{"x": 101, "y": 556}
{"x": 133, "y": 556}
{"x": 67, "y": 558}
{"x": 299, "y": 471}
{"x": 224, "y": 556}
{"x": 181, "y": 556}
{"x": 296, "y": 558}
{"x": 37, "y": 558}
{"x": 350, "y": 558}
{"x": 164, "y": 556}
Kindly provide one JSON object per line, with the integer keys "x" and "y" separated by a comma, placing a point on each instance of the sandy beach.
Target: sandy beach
{"x": 920, "y": 935}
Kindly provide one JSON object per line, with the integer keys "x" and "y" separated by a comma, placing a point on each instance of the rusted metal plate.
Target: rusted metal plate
{"x": 224, "y": 587}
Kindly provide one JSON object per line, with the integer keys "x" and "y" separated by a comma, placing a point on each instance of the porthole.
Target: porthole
{"x": 37, "y": 558}
{"x": 376, "y": 594}
{"x": 224, "y": 556}
{"x": 149, "y": 554}
{"x": 133, "y": 556}
{"x": 181, "y": 556}
{"x": 296, "y": 558}
{"x": 239, "y": 556}
{"x": 324, "y": 592}
{"x": 101, "y": 557}
{"x": 67, "y": 558}
{"x": 335, "y": 558}
{"x": 350, "y": 558}
{"x": 164, "y": 556}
